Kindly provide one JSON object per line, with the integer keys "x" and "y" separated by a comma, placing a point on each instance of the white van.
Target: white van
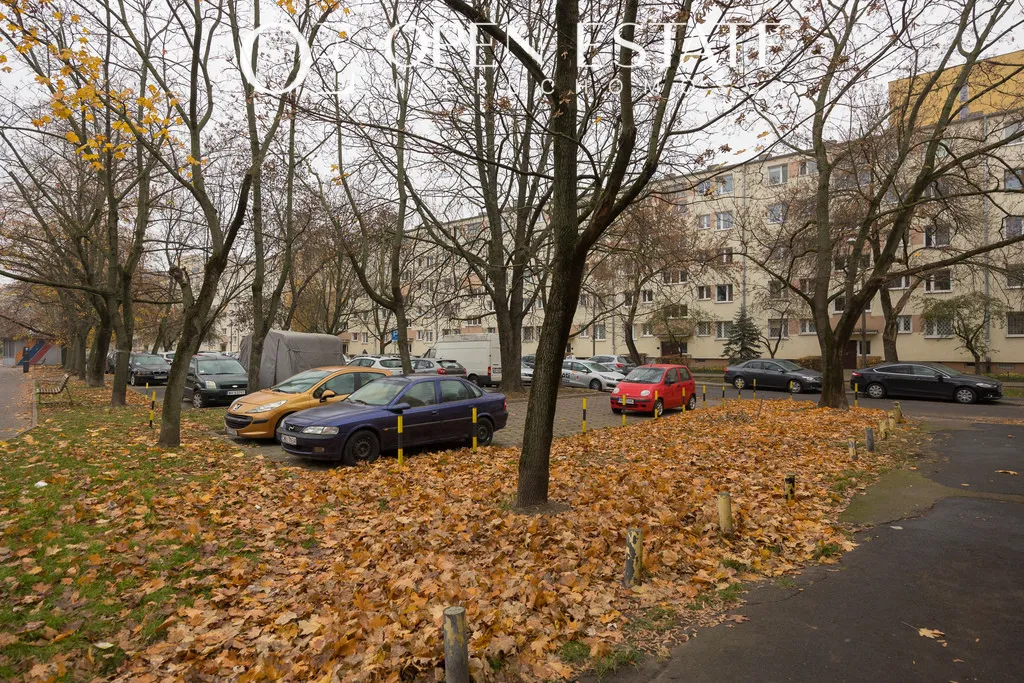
{"x": 480, "y": 354}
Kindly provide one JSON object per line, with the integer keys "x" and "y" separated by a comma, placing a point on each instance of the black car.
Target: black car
{"x": 147, "y": 368}
{"x": 215, "y": 379}
{"x": 924, "y": 380}
{"x": 773, "y": 374}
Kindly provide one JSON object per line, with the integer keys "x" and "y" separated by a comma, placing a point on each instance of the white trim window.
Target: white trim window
{"x": 704, "y": 329}
{"x": 778, "y": 328}
{"x": 723, "y": 293}
{"x": 901, "y": 282}
{"x": 808, "y": 168}
{"x": 674, "y": 277}
{"x": 777, "y": 290}
{"x": 584, "y": 333}
{"x": 722, "y": 329}
{"x": 676, "y": 311}
{"x": 807, "y": 326}
{"x": 778, "y": 175}
{"x": 1015, "y": 276}
{"x": 725, "y": 255}
{"x": 704, "y": 221}
{"x": 1015, "y": 324}
{"x": 1011, "y": 129}
{"x": 806, "y": 285}
{"x": 723, "y": 185}
{"x": 527, "y": 333}
{"x": 904, "y": 324}
{"x": 703, "y": 292}
{"x": 646, "y": 296}
{"x": 599, "y": 332}
{"x": 938, "y": 328}
{"x": 1013, "y": 226}
{"x": 723, "y": 220}
{"x": 647, "y": 330}
{"x": 777, "y": 213}
{"x": 936, "y": 236}
{"x": 1012, "y": 179}
{"x": 939, "y": 281}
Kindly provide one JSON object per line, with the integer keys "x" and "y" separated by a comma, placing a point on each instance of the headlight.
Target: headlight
{"x": 645, "y": 392}
{"x": 210, "y": 384}
{"x": 615, "y": 390}
{"x": 319, "y": 429}
{"x": 268, "y": 407}
{"x": 986, "y": 385}
{"x": 807, "y": 379}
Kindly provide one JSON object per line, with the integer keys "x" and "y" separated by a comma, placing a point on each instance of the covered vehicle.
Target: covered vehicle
{"x": 146, "y": 368}
{"x": 925, "y": 380}
{"x": 773, "y": 374}
{"x": 655, "y": 388}
{"x": 257, "y": 415}
{"x": 214, "y": 379}
{"x": 286, "y": 354}
{"x": 585, "y": 373}
{"x": 435, "y": 410}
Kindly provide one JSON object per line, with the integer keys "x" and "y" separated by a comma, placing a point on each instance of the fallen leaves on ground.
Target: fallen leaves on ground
{"x": 207, "y": 563}
{"x": 1010, "y": 472}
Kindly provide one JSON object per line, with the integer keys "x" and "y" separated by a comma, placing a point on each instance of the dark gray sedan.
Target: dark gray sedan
{"x": 773, "y": 374}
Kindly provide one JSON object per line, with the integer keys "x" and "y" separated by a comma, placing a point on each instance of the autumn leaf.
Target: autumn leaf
{"x": 1010, "y": 472}
{"x": 930, "y": 633}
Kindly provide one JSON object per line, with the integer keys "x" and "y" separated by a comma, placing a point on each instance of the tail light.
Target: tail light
{"x": 442, "y": 371}
{"x": 855, "y": 374}
{"x": 504, "y": 405}
{"x": 488, "y": 370}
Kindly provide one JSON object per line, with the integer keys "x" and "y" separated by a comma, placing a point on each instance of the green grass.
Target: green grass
{"x": 826, "y": 550}
{"x": 1013, "y": 392}
{"x": 615, "y": 660}
{"x": 731, "y": 593}
{"x": 735, "y": 564}
{"x": 657, "y": 618}
{"x": 785, "y": 582}
{"x": 574, "y": 652}
{"x": 845, "y": 480}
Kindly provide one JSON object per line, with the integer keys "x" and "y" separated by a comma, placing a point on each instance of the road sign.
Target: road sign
{"x": 394, "y": 335}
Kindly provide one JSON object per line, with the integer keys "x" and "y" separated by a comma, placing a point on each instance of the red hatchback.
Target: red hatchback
{"x": 654, "y": 388}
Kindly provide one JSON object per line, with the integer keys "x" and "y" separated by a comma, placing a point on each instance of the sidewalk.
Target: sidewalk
{"x": 953, "y": 570}
{"x": 15, "y": 402}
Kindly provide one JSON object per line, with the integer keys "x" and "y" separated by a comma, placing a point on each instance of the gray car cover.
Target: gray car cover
{"x": 289, "y": 353}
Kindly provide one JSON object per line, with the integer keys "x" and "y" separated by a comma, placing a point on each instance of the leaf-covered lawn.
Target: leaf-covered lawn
{"x": 208, "y": 563}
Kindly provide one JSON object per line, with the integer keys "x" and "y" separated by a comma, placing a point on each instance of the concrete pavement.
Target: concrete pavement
{"x": 15, "y": 402}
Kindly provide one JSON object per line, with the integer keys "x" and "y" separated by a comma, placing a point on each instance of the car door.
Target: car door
{"x": 567, "y": 373}
{"x": 456, "y": 410}
{"x": 929, "y": 382}
{"x": 689, "y": 387}
{"x": 896, "y": 379}
{"x": 421, "y": 420}
{"x": 772, "y": 376}
{"x": 673, "y": 389}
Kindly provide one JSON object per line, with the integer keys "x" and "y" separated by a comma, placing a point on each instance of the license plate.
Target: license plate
{"x": 630, "y": 401}
{"x": 236, "y": 392}
{"x": 232, "y": 432}
{"x": 290, "y": 440}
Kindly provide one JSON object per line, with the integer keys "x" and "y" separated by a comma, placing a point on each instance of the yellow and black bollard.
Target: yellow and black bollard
{"x": 474, "y": 430}
{"x": 623, "y": 410}
{"x": 655, "y": 405}
{"x": 401, "y": 451}
{"x": 152, "y": 408}
{"x": 856, "y": 396}
{"x": 634, "y": 557}
{"x": 755, "y": 389}
{"x": 704, "y": 396}
{"x": 584, "y": 416}
{"x": 723, "y": 394}
{"x": 790, "y": 488}
{"x": 790, "y": 390}
{"x": 739, "y": 392}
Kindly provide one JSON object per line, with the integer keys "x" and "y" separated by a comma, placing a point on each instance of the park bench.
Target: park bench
{"x": 54, "y": 388}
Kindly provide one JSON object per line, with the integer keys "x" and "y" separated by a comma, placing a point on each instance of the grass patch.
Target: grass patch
{"x": 654, "y": 619}
{"x": 731, "y": 593}
{"x": 786, "y": 583}
{"x": 735, "y": 564}
{"x": 826, "y": 550}
{"x": 615, "y": 660}
{"x": 574, "y": 652}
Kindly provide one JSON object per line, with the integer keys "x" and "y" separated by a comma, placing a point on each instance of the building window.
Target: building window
{"x": 808, "y": 168}
{"x": 1015, "y": 276}
{"x": 723, "y": 220}
{"x": 938, "y": 328}
{"x": 704, "y": 329}
{"x": 1013, "y": 129}
{"x": 646, "y": 330}
{"x": 723, "y": 293}
{"x": 776, "y": 213}
{"x": 704, "y": 292}
{"x": 778, "y": 328}
{"x": 725, "y": 255}
{"x": 777, "y": 290}
{"x": 722, "y": 329}
{"x": 778, "y": 175}
{"x": 806, "y": 285}
{"x": 646, "y": 296}
{"x": 492, "y": 330}
{"x": 527, "y": 334}
{"x": 703, "y": 187}
{"x": 674, "y": 311}
{"x": 724, "y": 184}
{"x": 904, "y": 324}
{"x": 1012, "y": 179}
{"x": 599, "y": 332}
{"x": 704, "y": 221}
{"x": 866, "y": 350}
{"x": 939, "y": 281}
{"x": 584, "y": 333}
{"x": 584, "y": 300}
{"x": 807, "y": 326}
{"x": 1013, "y": 226}
{"x": 1015, "y": 324}
{"x": 901, "y": 282}
{"x": 366, "y": 337}
{"x": 839, "y": 303}
{"x": 674, "y": 277}
{"x": 474, "y": 322}
{"x": 936, "y": 236}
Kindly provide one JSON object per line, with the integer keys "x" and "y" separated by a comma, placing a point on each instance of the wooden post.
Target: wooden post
{"x": 584, "y": 416}
{"x": 456, "y": 646}
{"x": 474, "y": 430}
{"x": 704, "y": 396}
{"x": 401, "y": 451}
{"x": 881, "y": 430}
{"x": 634, "y": 557}
{"x": 856, "y": 394}
{"x": 725, "y": 513}
{"x": 869, "y": 439}
{"x": 892, "y": 422}
{"x": 851, "y": 446}
{"x": 898, "y": 409}
{"x": 790, "y": 488}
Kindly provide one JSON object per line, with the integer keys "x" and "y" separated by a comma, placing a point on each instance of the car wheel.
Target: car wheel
{"x": 965, "y": 395}
{"x": 197, "y": 399}
{"x": 795, "y": 386}
{"x": 474, "y": 379}
{"x": 659, "y": 408}
{"x": 362, "y": 446}
{"x": 484, "y": 432}
{"x": 875, "y": 390}
{"x": 131, "y": 379}
{"x": 595, "y": 385}
{"x": 739, "y": 383}
{"x": 691, "y": 403}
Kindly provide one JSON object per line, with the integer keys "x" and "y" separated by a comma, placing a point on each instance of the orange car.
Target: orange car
{"x": 256, "y": 415}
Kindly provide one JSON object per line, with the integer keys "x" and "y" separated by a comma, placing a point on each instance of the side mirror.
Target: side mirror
{"x": 399, "y": 407}
{"x": 941, "y": 378}
{"x": 326, "y": 395}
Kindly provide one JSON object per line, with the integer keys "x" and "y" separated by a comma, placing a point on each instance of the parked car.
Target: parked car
{"x": 147, "y": 368}
{"x": 655, "y": 388}
{"x": 389, "y": 363}
{"x": 429, "y": 366}
{"x": 110, "y": 362}
{"x": 621, "y": 364}
{"x": 480, "y": 354}
{"x": 584, "y": 373}
{"x": 773, "y": 374}
{"x": 257, "y": 415}
{"x": 435, "y": 410}
{"x": 925, "y": 380}
{"x": 168, "y": 356}
{"x": 526, "y": 373}
{"x": 214, "y": 379}
{"x": 529, "y": 360}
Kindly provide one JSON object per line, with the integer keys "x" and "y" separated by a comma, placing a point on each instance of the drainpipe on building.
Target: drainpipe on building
{"x": 984, "y": 220}
{"x": 743, "y": 240}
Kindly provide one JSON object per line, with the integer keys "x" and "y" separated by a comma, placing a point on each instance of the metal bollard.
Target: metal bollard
{"x": 790, "y": 488}
{"x": 401, "y": 451}
{"x": 723, "y": 394}
{"x": 623, "y": 409}
{"x": 704, "y": 396}
{"x": 856, "y": 401}
{"x": 655, "y": 405}
{"x": 456, "y": 646}
{"x": 584, "y": 416}
{"x": 634, "y": 557}
{"x": 725, "y": 513}
{"x": 790, "y": 390}
{"x": 152, "y": 409}
{"x": 474, "y": 430}
{"x": 755, "y": 389}
{"x": 869, "y": 439}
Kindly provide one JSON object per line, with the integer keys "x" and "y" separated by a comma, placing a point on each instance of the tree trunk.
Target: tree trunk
{"x": 889, "y": 341}
{"x": 119, "y": 394}
{"x": 98, "y": 355}
{"x": 510, "y": 343}
{"x": 256, "y": 342}
{"x": 977, "y": 363}
{"x": 82, "y": 353}
{"x": 833, "y": 383}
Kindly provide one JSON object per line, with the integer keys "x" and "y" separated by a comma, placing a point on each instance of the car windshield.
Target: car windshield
{"x": 645, "y": 375}
{"x": 227, "y": 366}
{"x": 300, "y": 382}
{"x": 942, "y": 368}
{"x": 391, "y": 363}
{"x": 149, "y": 359}
{"x": 789, "y": 366}
{"x": 377, "y": 393}
{"x": 596, "y": 367}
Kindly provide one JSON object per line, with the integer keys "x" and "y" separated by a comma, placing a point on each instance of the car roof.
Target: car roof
{"x": 660, "y": 366}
